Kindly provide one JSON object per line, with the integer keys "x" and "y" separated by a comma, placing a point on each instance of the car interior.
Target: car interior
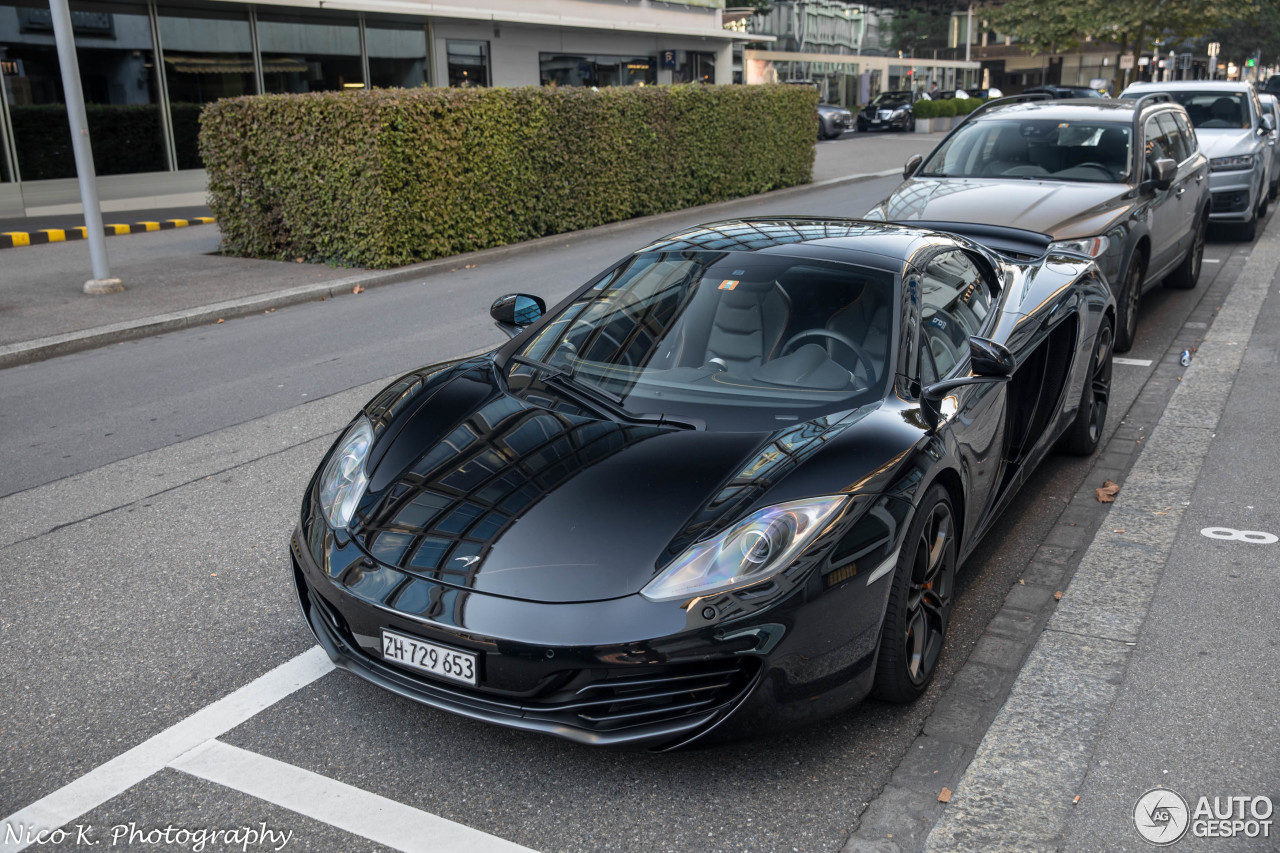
{"x": 1039, "y": 148}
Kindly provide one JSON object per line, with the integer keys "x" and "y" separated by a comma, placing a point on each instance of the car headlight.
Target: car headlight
{"x": 900, "y": 112}
{"x": 1231, "y": 164}
{"x": 343, "y": 481}
{"x": 760, "y": 546}
{"x": 1090, "y": 247}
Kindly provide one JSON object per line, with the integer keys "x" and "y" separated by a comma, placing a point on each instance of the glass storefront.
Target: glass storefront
{"x": 397, "y": 53}
{"x": 468, "y": 62}
{"x": 597, "y": 70}
{"x": 117, "y": 73}
{"x": 208, "y": 54}
{"x": 310, "y": 52}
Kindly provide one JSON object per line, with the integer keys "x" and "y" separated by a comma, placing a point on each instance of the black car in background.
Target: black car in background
{"x": 1065, "y": 91}
{"x": 1123, "y": 182}
{"x": 890, "y": 111}
{"x": 724, "y": 486}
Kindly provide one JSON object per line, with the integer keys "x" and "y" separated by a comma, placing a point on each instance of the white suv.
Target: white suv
{"x": 1235, "y": 134}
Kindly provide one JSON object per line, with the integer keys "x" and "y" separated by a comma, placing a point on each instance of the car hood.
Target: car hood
{"x": 1227, "y": 142}
{"x": 1060, "y": 209}
{"x": 498, "y": 495}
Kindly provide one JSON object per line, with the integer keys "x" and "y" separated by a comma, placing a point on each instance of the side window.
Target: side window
{"x": 1156, "y": 146}
{"x": 1188, "y": 133}
{"x": 1177, "y": 146}
{"x": 955, "y": 304}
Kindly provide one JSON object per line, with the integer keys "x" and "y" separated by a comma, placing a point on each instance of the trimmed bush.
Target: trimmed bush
{"x": 964, "y": 106}
{"x": 927, "y": 109}
{"x": 388, "y": 177}
{"x": 947, "y": 107}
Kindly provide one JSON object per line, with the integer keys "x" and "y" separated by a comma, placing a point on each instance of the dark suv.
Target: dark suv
{"x": 1122, "y": 182}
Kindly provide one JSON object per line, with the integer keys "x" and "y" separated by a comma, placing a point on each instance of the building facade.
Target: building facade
{"x": 147, "y": 68}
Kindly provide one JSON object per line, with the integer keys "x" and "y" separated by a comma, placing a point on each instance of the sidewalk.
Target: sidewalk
{"x": 176, "y": 279}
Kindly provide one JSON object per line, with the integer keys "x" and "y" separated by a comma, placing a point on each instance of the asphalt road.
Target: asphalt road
{"x": 149, "y": 491}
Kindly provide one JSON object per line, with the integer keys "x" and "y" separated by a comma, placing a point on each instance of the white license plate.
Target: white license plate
{"x": 428, "y": 657}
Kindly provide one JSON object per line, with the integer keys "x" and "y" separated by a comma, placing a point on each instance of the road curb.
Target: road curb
{"x": 27, "y": 352}
{"x": 16, "y": 239}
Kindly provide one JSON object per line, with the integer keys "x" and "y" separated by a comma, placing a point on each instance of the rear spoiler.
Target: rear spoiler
{"x": 1000, "y": 238}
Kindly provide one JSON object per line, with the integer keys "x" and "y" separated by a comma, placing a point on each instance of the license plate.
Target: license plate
{"x": 428, "y": 657}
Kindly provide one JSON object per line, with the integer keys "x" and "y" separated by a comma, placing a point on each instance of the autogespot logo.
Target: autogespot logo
{"x": 1161, "y": 816}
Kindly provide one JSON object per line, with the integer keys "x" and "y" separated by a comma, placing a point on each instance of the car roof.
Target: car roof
{"x": 1066, "y": 109}
{"x": 1191, "y": 86}
{"x": 852, "y": 240}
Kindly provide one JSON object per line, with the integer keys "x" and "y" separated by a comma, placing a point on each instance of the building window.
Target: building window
{"x": 208, "y": 54}
{"x": 310, "y": 52}
{"x": 397, "y": 53}
{"x": 117, "y": 73}
{"x": 468, "y": 62}
{"x": 695, "y": 68}
{"x": 571, "y": 70}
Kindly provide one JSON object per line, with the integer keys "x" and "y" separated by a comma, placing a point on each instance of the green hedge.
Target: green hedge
{"x": 964, "y": 106}
{"x": 391, "y": 176}
{"x": 926, "y": 109}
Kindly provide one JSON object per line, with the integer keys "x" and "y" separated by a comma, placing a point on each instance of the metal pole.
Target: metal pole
{"x": 102, "y": 282}
{"x": 968, "y": 34}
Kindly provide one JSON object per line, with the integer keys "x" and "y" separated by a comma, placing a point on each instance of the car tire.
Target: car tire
{"x": 1266, "y": 202}
{"x": 1082, "y": 437}
{"x": 1127, "y": 301}
{"x": 1187, "y": 273}
{"x": 915, "y": 622}
{"x": 1249, "y": 230}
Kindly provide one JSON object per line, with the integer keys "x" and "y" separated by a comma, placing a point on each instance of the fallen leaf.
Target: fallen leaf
{"x": 1107, "y": 492}
{"x": 220, "y": 320}
{"x": 357, "y": 289}
{"x": 945, "y": 795}
{"x": 1057, "y": 596}
{"x": 1021, "y": 581}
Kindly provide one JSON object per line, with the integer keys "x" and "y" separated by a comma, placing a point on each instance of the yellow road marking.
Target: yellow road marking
{"x": 56, "y": 235}
{"x": 20, "y": 238}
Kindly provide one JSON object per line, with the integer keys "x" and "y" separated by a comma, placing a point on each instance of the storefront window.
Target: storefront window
{"x": 695, "y": 68}
{"x": 468, "y": 62}
{"x": 208, "y": 54}
{"x": 119, "y": 79}
{"x": 315, "y": 52}
{"x": 397, "y": 53}
{"x": 569, "y": 70}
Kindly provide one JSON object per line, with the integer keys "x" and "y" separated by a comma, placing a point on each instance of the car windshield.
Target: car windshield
{"x": 1215, "y": 110}
{"x": 1034, "y": 149}
{"x": 738, "y": 340}
{"x": 885, "y": 99}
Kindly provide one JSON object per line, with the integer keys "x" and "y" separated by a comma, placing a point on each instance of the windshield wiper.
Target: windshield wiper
{"x": 604, "y": 401}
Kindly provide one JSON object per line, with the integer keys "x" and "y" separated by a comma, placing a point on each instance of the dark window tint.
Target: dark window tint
{"x": 468, "y": 62}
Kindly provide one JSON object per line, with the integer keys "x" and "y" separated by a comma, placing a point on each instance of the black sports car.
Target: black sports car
{"x": 724, "y": 485}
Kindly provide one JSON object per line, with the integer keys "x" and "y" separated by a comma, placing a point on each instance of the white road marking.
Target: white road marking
{"x": 1212, "y": 260}
{"x": 336, "y": 803}
{"x": 1135, "y": 362}
{"x": 129, "y": 768}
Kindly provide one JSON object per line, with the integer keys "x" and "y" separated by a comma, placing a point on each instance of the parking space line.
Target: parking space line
{"x": 338, "y": 804}
{"x": 1134, "y": 362}
{"x": 129, "y": 768}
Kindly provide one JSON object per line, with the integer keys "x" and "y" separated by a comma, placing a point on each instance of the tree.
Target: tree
{"x": 912, "y": 30}
{"x": 1052, "y": 25}
{"x": 1249, "y": 35}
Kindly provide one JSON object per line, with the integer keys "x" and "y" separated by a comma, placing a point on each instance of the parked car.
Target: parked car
{"x": 1066, "y": 91}
{"x": 1272, "y": 86}
{"x": 890, "y": 111}
{"x": 833, "y": 120}
{"x": 726, "y": 483}
{"x": 1120, "y": 181}
{"x": 1271, "y": 106}
{"x": 1234, "y": 135}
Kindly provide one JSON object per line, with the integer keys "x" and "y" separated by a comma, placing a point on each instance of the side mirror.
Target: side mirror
{"x": 990, "y": 362}
{"x": 513, "y": 312}
{"x": 1163, "y": 172}
{"x": 1267, "y": 124}
{"x": 912, "y": 165}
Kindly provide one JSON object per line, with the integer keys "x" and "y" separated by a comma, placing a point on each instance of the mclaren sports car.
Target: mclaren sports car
{"x": 723, "y": 487}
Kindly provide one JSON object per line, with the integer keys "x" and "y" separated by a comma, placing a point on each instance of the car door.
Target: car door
{"x": 958, "y": 302}
{"x": 1185, "y": 189}
{"x": 1164, "y": 214}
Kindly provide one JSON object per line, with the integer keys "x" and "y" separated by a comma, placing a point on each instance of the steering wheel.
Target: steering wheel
{"x": 1095, "y": 165}
{"x": 838, "y": 337}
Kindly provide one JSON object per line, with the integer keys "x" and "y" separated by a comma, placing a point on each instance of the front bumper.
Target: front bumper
{"x": 1234, "y": 195}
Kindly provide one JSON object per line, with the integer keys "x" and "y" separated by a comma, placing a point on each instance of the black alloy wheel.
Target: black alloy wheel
{"x": 1188, "y": 272}
{"x": 915, "y": 621}
{"x": 1082, "y": 438}
{"x": 1127, "y": 303}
